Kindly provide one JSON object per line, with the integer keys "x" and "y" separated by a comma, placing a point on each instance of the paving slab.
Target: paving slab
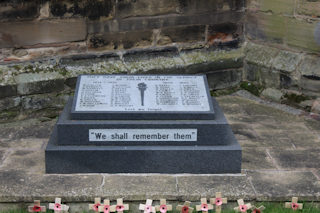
{"x": 24, "y": 144}
{"x": 233, "y": 186}
{"x": 281, "y": 185}
{"x": 140, "y": 187}
{"x": 296, "y": 158}
{"x": 256, "y": 158}
{"x": 17, "y": 186}
{"x": 26, "y": 161}
{"x": 32, "y": 128}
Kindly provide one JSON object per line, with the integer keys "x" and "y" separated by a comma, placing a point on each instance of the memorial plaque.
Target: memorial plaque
{"x": 142, "y": 124}
{"x": 142, "y": 97}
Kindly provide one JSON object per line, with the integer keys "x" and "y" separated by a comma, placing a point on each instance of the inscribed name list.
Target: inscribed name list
{"x": 140, "y": 93}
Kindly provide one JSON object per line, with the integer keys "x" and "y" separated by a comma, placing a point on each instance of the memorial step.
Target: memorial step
{"x": 143, "y": 132}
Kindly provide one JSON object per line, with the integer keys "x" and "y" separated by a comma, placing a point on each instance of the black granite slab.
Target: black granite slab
{"x": 144, "y": 115}
{"x": 142, "y": 159}
{"x": 210, "y": 132}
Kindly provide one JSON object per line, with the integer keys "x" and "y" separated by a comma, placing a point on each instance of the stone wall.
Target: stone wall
{"x": 284, "y": 44}
{"x": 45, "y": 44}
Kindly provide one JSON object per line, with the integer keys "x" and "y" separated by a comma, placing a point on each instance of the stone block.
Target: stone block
{"x": 121, "y": 40}
{"x": 269, "y": 27}
{"x": 284, "y": 7}
{"x": 287, "y": 61}
{"x": 310, "y": 84}
{"x": 42, "y": 101}
{"x": 84, "y": 8}
{"x": 156, "y": 22}
{"x": 263, "y": 75}
{"x": 13, "y": 10}
{"x": 183, "y": 34}
{"x": 203, "y": 6}
{"x": 9, "y": 103}
{"x": 149, "y": 53}
{"x": 309, "y": 7}
{"x": 301, "y": 34}
{"x": 316, "y": 106}
{"x": 129, "y": 8}
{"x": 208, "y": 60}
{"x": 18, "y": 34}
{"x": 147, "y": 159}
{"x": 34, "y": 83}
{"x": 8, "y": 90}
{"x": 272, "y": 94}
{"x": 269, "y": 78}
{"x": 260, "y": 55}
{"x": 310, "y": 66}
{"x": 224, "y": 79}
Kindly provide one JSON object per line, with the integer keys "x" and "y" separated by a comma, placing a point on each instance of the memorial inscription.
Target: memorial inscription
{"x": 152, "y": 95}
{"x": 143, "y": 135}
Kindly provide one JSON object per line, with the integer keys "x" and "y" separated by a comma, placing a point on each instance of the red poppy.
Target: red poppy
{"x": 256, "y": 211}
{"x": 120, "y": 208}
{"x": 106, "y": 208}
{"x": 96, "y": 207}
{"x": 36, "y": 208}
{"x": 147, "y": 208}
{"x": 218, "y": 202}
{"x": 57, "y": 207}
{"x": 294, "y": 206}
{"x": 204, "y": 207}
{"x": 243, "y": 208}
{"x": 185, "y": 209}
{"x": 163, "y": 209}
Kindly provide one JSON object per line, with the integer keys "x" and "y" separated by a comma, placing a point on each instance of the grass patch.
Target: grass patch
{"x": 252, "y": 88}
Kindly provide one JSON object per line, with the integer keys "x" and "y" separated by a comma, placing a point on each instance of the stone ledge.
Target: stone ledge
{"x": 279, "y": 68}
{"x": 45, "y": 77}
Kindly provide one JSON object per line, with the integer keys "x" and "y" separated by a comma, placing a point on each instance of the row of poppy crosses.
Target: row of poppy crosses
{"x": 120, "y": 207}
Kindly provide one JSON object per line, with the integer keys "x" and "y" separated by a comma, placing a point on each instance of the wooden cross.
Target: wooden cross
{"x": 147, "y": 208}
{"x": 218, "y": 201}
{"x": 95, "y": 206}
{"x": 204, "y": 207}
{"x": 163, "y": 207}
{"x": 106, "y": 208}
{"x": 120, "y": 207}
{"x": 258, "y": 210}
{"x": 294, "y": 204}
{"x": 57, "y": 206}
{"x": 185, "y": 208}
{"x": 242, "y": 207}
{"x": 36, "y": 207}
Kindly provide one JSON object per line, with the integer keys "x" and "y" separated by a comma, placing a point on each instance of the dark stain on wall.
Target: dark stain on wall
{"x": 58, "y": 8}
{"x": 20, "y": 9}
{"x": 225, "y": 34}
{"x": 92, "y": 9}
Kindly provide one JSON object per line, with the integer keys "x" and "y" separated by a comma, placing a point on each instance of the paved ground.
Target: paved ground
{"x": 280, "y": 159}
